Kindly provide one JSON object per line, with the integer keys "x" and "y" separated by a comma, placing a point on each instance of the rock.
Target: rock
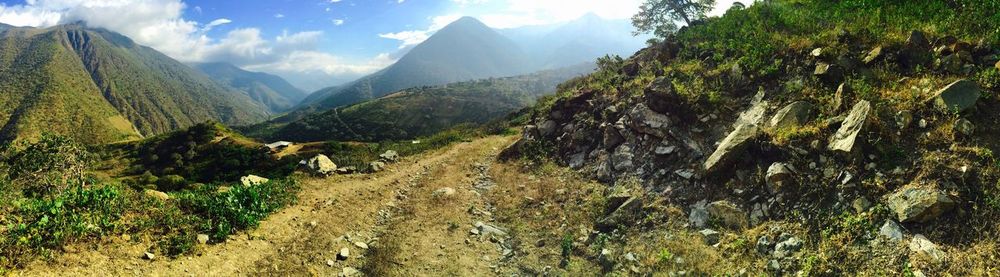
{"x": 349, "y": 271}
{"x": 965, "y": 127}
{"x": 627, "y": 212}
{"x": 818, "y": 52}
{"x": 861, "y": 204}
{"x": 661, "y": 97}
{"x": 997, "y": 65}
{"x": 253, "y": 180}
{"x": 830, "y": 73}
{"x": 612, "y": 137}
{"x": 330, "y": 263}
{"x": 361, "y": 244}
{"x": 727, "y": 214}
{"x": 891, "y": 231}
{"x": 904, "y": 119}
{"x": 846, "y": 136}
{"x": 321, "y": 165}
{"x": 747, "y": 129}
{"x": 376, "y": 166}
{"x": 149, "y": 256}
{"x": 777, "y": 175}
{"x": 927, "y": 249}
{"x": 622, "y": 158}
{"x": 794, "y": 115}
{"x": 346, "y": 170}
{"x": 873, "y": 56}
{"x": 764, "y": 245}
{"x": 486, "y": 229}
{"x": 711, "y": 236}
{"x": 645, "y": 120}
{"x": 774, "y": 266}
{"x": 159, "y": 195}
{"x": 916, "y": 50}
{"x": 664, "y": 150}
{"x": 390, "y": 156}
{"x": 547, "y": 128}
{"x": 344, "y": 254}
{"x": 956, "y": 97}
{"x": 787, "y": 247}
{"x": 443, "y": 192}
{"x": 919, "y": 204}
{"x": 838, "y": 98}
{"x": 203, "y": 238}
{"x": 687, "y": 174}
{"x": 698, "y": 217}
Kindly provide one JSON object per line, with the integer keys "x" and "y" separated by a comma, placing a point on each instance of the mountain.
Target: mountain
{"x": 424, "y": 110}
{"x": 98, "y": 86}
{"x": 464, "y": 50}
{"x": 582, "y": 40}
{"x": 272, "y": 91}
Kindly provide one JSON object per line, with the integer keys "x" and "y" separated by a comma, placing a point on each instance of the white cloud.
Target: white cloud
{"x": 338, "y": 22}
{"x": 217, "y": 22}
{"x": 414, "y": 37}
{"x": 278, "y": 15}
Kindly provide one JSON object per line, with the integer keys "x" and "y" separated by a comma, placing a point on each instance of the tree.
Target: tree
{"x": 661, "y": 16}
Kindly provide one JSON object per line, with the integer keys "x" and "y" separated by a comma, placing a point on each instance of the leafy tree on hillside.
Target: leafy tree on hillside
{"x": 661, "y": 16}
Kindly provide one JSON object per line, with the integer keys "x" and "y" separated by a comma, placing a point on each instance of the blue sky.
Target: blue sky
{"x": 313, "y": 43}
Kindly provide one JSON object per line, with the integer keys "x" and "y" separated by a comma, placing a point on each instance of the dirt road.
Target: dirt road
{"x": 409, "y": 222}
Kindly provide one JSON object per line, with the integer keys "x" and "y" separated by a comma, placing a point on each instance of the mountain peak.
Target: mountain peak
{"x": 465, "y": 23}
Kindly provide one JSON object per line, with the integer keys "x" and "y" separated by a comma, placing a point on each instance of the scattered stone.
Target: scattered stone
{"x": 818, "y": 52}
{"x": 727, "y": 213}
{"x": 698, "y": 217}
{"x": 162, "y": 196}
{"x": 687, "y": 174}
{"x": 861, "y": 204}
{"x": 203, "y": 238}
{"x": 320, "y": 165}
{"x": 838, "y": 98}
{"x": 547, "y": 128}
{"x": 628, "y": 211}
{"x": 777, "y": 175}
{"x": 747, "y": 129}
{"x": 794, "y": 115}
{"x": 919, "y": 204}
{"x": 645, "y": 120}
{"x": 829, "y": 72}
{"x": 891, "y": 230}
{"x": 349, "y": 271}
{"x": 764, "y": 245}
{"x": 376, "y": 166}
{"x": 845, "y": 138}
{"x": 621, "y": 159}
{"x": 148, "y": 256}
{"x": 665, "y": 150}
{"x": 965, "y": 127}
{"x": 443, "y": 192}
{"x": 486, "y": 229}
{"x": 787, "y": 247}
{"x": 711, "y": 236}
{"x": 330, "y": 263}
{"x": 873, "y": 55}
{"x": 346, "y": 170}
{"x": 774, "y": 266}
{"x": 389, "y": 156}
{"x": 361, "y": 244}
{"x": 661, "y": 97}
{"x": 253, "y": 180}
{"x": 957, "y": 96}
{"x": 344, "y": 254}
{"x": 925, "y": 248}
{"x": 904, "y": 119}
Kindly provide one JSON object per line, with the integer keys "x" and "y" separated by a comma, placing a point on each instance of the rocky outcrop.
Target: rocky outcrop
{"x": 847, "y": 135}
{"x": 320, "y": 165}
{"x": 919, "y": 204}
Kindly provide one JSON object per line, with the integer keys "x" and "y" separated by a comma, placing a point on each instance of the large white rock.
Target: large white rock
{"x": 844, "y": 139}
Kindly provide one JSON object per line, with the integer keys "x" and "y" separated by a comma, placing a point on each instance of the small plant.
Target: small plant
{"x": 665, "y": 256}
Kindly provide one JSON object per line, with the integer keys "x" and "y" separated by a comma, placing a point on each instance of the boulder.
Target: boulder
{"x": 376, "y": 166}
{"x": 746, "y": 130}
{"x": 787, "y": 247}
{"x": 320, "y": 165}
{"x": 547, "y": 128}
{"x": 389, "y": 156}
{"x": 727, "y": 214}
{"x": 891, "y": 231}
{"x": 621, "y": 159}
{"x": 793, "y": 115}
{"x": 698, "y": 217}
{"x": 956, "y": 97}
{"x": 159, "y": 195}
{"x": 645, "y": 120}
{"x": 777, "y": 175}
{"x": 661, "y": 97}
{"x": 627, "y": 212}
{"x": 919, "y": 204}
{"x": 846, "y": 136}
{"x": 916, "y": 50}
{"x": 965, "y": 127}
{"x": 612, "y": 138}
{"x": 253, "y": 180}
{"x": 927, "y": 249}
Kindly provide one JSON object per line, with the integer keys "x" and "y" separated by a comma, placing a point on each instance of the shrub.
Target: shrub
{"x": 46, "y": 166}
{"x": 242, "y": 207}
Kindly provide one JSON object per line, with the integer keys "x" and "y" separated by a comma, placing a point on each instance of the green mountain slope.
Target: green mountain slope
{"x": 424, "y": 110}
{"x": 464, "y": 50}
{"x": 97, "y": 86}
{"x": 272, "y": 91}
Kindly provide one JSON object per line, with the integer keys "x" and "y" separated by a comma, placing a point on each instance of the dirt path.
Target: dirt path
{"x": 392, "y": 210}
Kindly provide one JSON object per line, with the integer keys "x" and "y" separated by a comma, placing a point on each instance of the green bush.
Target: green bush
{"x": 46, "y": 166}
{"x": 171, "y": 183}
{"x": 240, "y": 208}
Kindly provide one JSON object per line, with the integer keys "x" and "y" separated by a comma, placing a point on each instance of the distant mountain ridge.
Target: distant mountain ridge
{"x": 270, "y": 90}
{"x": 98, "y": 86}
{"x": 464, "y": 50}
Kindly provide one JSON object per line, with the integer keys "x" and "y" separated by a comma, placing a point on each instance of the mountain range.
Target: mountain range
{"x": 98, "y": 86}
{"x": 270, "y": 90}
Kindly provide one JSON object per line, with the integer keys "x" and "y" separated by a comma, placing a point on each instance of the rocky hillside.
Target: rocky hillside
{"x": 796, "y": 137}
{"x": 69, "y": 78}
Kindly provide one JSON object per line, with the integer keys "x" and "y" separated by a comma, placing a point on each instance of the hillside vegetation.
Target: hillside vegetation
{"x": 422, "y": 111}
{"x": 270, "y": 90}
{"x": 791, "y": 138}
{"x": 69, "y": 78}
